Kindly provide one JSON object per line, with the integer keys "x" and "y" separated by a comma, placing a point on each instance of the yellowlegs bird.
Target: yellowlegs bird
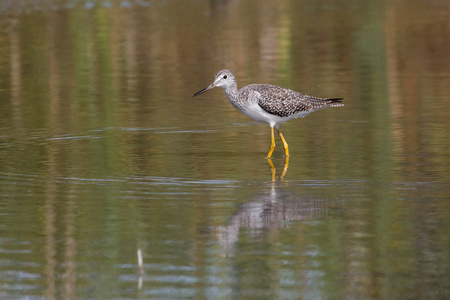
{"x": 269, "y": 103}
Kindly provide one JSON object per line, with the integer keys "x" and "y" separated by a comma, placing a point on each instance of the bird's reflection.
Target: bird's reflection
{"x": 275, "y": 208}
{"x": 273, "y": 170}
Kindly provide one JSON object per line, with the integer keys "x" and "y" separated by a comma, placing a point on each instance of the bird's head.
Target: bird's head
{"x": 223, "y": 79}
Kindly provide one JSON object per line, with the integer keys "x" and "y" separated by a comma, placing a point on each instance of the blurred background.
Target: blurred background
{"x": 104, "y": 151}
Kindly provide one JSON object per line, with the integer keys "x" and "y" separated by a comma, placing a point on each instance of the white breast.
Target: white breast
{"x": 256, "y": 113}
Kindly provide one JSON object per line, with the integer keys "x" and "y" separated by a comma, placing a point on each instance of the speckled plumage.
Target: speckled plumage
{"x": 269, "y": 103}
{"x": 284, "y": 102}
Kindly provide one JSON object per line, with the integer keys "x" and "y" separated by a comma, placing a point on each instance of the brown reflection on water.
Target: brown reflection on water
{"x": 51, "y": 190}
{"x": 50, "y": 245}
{"x": 70, "y": 255}
{"x": 418, "y": 72}
{"x": 16, "y": 74}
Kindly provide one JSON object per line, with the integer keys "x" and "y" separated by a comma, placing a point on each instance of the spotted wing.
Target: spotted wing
{"x": 285, "y": 102}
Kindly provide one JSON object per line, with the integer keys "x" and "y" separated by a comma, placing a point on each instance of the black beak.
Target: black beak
{"x": 204, "y": 90}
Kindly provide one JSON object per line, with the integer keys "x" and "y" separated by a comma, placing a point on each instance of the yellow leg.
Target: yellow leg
{"x": 285, "y": 167}
{"x": 285, "y": 145}
{"x": 272, "y": 145}
{"x": 272, "y": 168}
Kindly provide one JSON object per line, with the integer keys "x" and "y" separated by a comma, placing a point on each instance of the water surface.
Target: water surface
{"x": 103, "y": 151}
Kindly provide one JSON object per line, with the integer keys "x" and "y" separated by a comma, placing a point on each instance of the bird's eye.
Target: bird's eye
{"x": 224, "y": 76}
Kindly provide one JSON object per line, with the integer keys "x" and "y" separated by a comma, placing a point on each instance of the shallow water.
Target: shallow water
{"x": 103, "y": 151}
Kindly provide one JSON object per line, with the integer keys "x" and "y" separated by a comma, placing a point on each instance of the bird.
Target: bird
{"x": 269, "y": 103}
